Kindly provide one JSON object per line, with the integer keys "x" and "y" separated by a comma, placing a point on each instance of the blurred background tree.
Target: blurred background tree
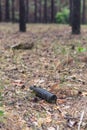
{"x": 41, "y": 11}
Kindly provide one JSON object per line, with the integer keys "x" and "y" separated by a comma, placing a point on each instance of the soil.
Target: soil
{"x": 56, "y": 62}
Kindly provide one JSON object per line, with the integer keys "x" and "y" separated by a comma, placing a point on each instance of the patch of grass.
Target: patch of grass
{"x": 0, "y": 96}
{"x": 81, "y": 49}
{"x": 64, "y": 51}
{"x": 1, "y": 90}
{"x": 1, "y": 113}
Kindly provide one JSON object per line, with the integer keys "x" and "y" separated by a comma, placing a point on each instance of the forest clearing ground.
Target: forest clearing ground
{"x": 57, "y": 62}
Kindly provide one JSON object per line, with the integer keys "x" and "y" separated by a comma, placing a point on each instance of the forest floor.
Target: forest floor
{"x": 58, "y": 63}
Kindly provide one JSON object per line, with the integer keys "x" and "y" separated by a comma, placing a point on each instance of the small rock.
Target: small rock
{"x": 35, "y": 124}
{"x": 51, "y": 128}
{"x": 84, "y": 124}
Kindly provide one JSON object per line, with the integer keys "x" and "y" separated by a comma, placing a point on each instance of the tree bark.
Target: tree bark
{"x": 52, "y": 11}
{"x": 45, "y": 11}
{"x": 0, "y": 12}
{"x": 22, "y": 20}
{"x": 27, "y": 10}
{"x": 35, "y": 12}
{"x": 71, "y": 11}
{"x": 84, "y": 12}
{"x": 7, "y": 12}
{"x": 13, "y": 11}
{"x": 76, "y": 17}
{"x": 40, "y": 11}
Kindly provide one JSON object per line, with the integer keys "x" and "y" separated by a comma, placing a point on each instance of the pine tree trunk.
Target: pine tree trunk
{"x": 76, "y": 17}
{"x": 35, "y": 11}
{"x": 84, "y": 12}
{"x": 40, "y": 11}
{"x": 45, "y": 11}
{"x": 13, "y": 11}
{"x": 71, "y": 10}
{"x": 0, "y": 12}
{"x": 27, "y": 10}
{"x": 22, "y": 20}
{"x": 52, "y": 11}
{"x": 7, "y": 12}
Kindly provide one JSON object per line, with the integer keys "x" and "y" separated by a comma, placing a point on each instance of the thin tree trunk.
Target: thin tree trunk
{"x": 13, "y": 11}
{"x": 0, "y": 12}
{"x": 45, "y": 11}
{"x": 35, "y": 11}
{"x": 71, "y": 11}
{"x": 22, "y": 21}
{"x": 27, "y": 10}
{"x": 52, "y": 11}
{"x": 7, "y": 12}
{"x": 84, "y": 12}
{"x": 40, "y": 11}
{"x": 76, "y": 17}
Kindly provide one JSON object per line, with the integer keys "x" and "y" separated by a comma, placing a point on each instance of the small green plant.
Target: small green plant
{"x": 1, "y": 113}
{"x": 1, "y": 91}
{"x": 81, "y": 49}
{"x": 63, "y": 51}
{"x": 63, "y": 16}
{"x": 2, "y": 116}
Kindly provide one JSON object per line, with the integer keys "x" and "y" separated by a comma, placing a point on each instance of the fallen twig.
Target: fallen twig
{"x": 81, "y": 118}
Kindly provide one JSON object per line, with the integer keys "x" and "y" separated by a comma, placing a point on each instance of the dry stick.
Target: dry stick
{"x": 57, "y": 127}
{"x": 81, "y": 118}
